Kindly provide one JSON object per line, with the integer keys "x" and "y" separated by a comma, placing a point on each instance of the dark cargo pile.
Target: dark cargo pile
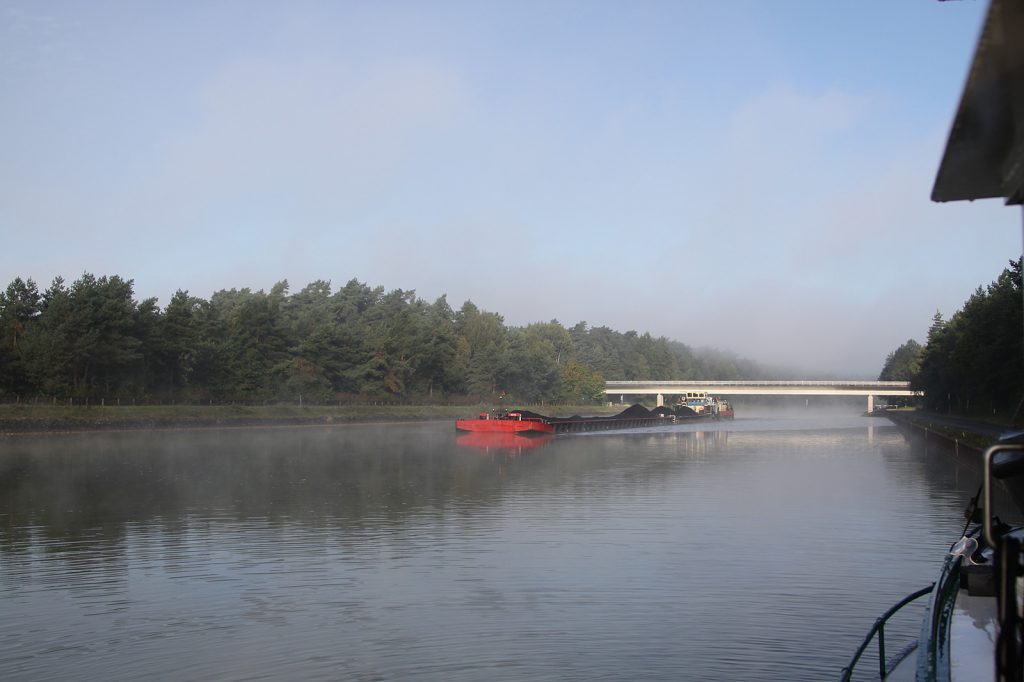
{"x": 631, "y": 412}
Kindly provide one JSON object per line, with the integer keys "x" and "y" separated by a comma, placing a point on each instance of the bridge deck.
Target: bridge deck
{"x": 732, "y": 388}
{"x": 842, "y": 387}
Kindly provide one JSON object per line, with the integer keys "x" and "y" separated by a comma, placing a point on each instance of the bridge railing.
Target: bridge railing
{"x": 767, "y": 384}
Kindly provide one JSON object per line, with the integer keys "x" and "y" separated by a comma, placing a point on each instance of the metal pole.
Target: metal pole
{"x": 881, "y": 651}
{"x": 1020, "y": 403}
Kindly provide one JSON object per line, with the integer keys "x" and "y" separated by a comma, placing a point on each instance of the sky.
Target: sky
{"x": 749, "y": 176}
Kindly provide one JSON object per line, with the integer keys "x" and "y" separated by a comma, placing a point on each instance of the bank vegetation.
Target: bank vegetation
{"x": 972, "y": 363}
{"x": 92, "y": 343}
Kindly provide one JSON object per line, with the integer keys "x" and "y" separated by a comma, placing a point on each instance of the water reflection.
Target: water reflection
{"x": 67, "y": 487}
{"x": 509, "y": 443}
{"x": 512, "y": 444}
{"x": 755, "y": 550}
{"x": 88, "y": 487}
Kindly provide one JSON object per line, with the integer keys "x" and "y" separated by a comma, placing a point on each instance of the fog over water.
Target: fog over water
{"x": 758, "y": 549}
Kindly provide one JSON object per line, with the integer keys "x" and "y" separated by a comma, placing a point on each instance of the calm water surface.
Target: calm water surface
{"x": 756, "y": 550}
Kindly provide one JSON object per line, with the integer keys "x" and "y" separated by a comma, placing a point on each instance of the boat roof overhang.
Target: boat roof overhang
{"x": 984, "y": 155}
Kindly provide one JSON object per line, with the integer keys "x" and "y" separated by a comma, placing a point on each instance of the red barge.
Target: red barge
{"x": 526, "y": 423}
{"x": 506, "y": 422}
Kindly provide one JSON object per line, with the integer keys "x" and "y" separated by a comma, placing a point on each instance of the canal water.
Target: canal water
{"x": 760, "y": 549}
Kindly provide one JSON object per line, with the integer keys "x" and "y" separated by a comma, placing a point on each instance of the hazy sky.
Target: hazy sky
{"x": 753, "y": 176}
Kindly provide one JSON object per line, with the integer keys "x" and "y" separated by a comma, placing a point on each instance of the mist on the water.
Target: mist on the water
{"x": 394, "y": 551}
{"x": 397, "y": 551}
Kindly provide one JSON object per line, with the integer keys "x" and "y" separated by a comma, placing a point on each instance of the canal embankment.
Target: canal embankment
{"x": 27, "y": 418}
{"x": 958, "y": 434}
{"x": 20, "y": 419}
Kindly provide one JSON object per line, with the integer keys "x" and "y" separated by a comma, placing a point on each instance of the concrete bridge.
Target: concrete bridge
{"x": 729, "y": 388}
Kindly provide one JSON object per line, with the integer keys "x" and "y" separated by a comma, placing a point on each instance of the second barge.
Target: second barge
{"x": 524, "y": 422}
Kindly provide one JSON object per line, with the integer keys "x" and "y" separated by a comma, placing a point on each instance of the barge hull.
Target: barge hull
{"x": 524, "y": 427}
{"x": 524, "y": 422}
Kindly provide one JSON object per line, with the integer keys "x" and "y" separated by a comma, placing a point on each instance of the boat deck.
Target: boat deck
{"x": 972, "y": 639}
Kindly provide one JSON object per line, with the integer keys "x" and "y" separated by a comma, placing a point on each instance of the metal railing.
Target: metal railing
{"x": 879, "y": 629}
{"x": 989, "y": 469}
{"x": 732, "y": 382}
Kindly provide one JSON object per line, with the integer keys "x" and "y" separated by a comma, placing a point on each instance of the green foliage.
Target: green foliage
{"x": 581, "y": 385}
{"x": 487, "y": 344}
{"x": 904, "y": 363}
{"x": 19, "y": 306}
{"x": 973, "y": 361}
{"x": 93, "y": 339}
{"x": 85, "y": 339}
{"x": 178, "y": 345}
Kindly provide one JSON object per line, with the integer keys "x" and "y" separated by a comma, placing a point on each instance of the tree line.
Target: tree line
{"x": 93, "y": 339}
{"x": 974, "y": 361}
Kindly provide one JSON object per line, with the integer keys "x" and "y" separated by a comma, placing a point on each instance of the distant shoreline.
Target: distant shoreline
{"x": 27, "y": 419}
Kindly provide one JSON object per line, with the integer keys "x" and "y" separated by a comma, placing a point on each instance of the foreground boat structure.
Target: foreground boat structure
{"x": 524, "y": 422}
{"x": 981, "y": 585}
{"x": 979, "y": 594}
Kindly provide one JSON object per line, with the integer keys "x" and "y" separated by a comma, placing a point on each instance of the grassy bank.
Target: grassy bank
{"x": 36, "y": 418}
{"x": 967, "y": 430}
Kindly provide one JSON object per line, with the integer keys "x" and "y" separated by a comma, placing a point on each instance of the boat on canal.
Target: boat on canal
{"x": 973, "y": 625}
{"x": 725, "y": 409}
{"x": 519, "y": 422}
{"x": 707, "y": 405}
{"x": 527, "y": 423}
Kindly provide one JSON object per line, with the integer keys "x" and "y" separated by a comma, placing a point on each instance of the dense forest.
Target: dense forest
{"x": 974, "y": 361}
{"x": 93, "y": 340}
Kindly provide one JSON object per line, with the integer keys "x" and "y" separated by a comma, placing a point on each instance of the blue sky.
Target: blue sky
{"x": 745, "y": 175}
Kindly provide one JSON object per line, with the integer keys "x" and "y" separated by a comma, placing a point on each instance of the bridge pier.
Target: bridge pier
{"x": 871, "y": 404}
{"x": 661, "y": 400}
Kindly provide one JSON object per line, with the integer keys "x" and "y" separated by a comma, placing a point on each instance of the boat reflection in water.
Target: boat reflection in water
{"x": 687, "y": 442}
{"x": 507, "y": 443}
{"x": 703, "y": 442}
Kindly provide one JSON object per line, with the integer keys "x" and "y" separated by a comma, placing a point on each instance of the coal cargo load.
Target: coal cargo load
{"x": 526, "y": 422}
{"x": 633, "y": 416}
